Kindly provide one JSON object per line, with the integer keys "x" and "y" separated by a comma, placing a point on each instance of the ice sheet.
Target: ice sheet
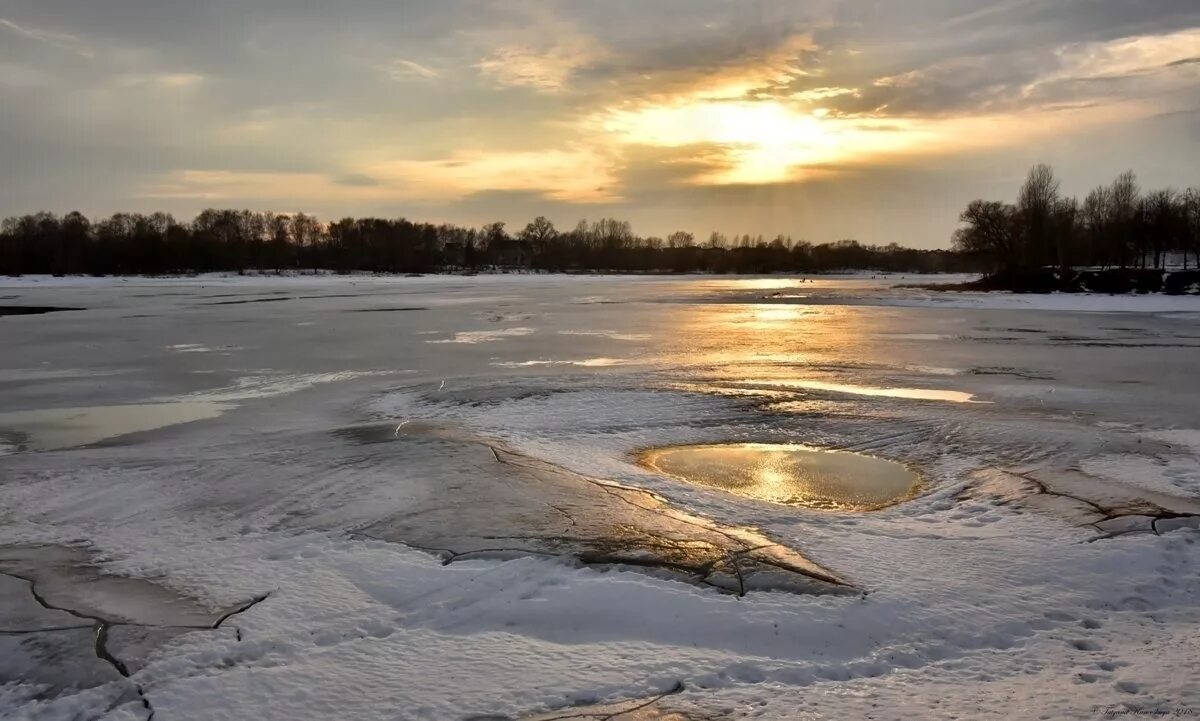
{"x": 1004, "y": 589}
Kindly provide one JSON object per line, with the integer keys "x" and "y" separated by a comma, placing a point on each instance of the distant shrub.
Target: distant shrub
{"x": 1184, "y": 282}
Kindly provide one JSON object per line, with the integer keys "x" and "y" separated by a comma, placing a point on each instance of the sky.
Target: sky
{"x": 822, "y": 120}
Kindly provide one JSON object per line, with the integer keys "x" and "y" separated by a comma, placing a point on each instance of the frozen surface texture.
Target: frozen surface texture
{"x": 420, "y": 498}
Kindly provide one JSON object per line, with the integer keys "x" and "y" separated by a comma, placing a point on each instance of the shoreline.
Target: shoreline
{"x": 1108, "y": 282}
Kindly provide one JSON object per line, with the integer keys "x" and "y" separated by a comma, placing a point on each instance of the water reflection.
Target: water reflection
{"x": 792, "y": 474}
{"x": 779, "y": 348}
{"x": 732, "y": 335}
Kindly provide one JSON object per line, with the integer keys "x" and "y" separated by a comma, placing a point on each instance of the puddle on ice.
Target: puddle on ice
{"x": 792, "y": 474}
{"x": 58, "y": 428}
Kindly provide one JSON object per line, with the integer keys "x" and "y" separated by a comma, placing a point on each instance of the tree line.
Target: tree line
{"x": 244, "y": 240}
{"x": 1115, "y": 227}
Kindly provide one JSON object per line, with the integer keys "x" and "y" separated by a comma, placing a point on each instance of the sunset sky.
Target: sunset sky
{"x": 872, "y": 119}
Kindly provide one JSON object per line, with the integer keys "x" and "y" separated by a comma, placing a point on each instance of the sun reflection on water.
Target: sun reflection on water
{"x": 792, "y": 474}
{"x": 807, "y": 351}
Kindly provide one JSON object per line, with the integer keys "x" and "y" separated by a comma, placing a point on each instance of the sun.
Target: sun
{"x": 757, "y": 141}
{"x": 761, "y": 123}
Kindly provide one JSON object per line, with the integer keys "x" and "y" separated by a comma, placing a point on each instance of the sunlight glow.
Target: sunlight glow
{"x": 765, "y": 141}
{"x": 768, "y": 141}
{"x": 768, "y": 315}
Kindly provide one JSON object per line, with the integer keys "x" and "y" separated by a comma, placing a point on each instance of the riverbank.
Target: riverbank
{"x": 1112, "y": 281}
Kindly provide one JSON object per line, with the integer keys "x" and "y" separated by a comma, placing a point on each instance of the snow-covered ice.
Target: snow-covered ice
{"x": 260, "y": 560}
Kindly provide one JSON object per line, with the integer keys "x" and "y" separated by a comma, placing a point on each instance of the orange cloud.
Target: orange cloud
{"x": 578, "y": 176}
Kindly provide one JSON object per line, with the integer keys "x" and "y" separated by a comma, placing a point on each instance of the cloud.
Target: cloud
{"x": 410, "y": 69}
{"x": 817, "y": 94}
{"x": 1143, "y": 67}
{"x": 1129, "y": 56}
{"x": 164, "y": 81}
{"x": 709, "y": 67}
{"x": 542, "y": 53}
{"x": 575, "y": 176}
{"x": 910, "y": 79}
{"x": 546, "y": 69}
{"x": 21, "y": 76}
{"x": 760, "y": 72}
{"x": 62, "y": 41}
{"x": 221, "y": 185}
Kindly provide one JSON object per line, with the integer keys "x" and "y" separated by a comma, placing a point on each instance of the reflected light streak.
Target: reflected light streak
{"x": 920, "y": 394}
{"x": 769, "y": 349}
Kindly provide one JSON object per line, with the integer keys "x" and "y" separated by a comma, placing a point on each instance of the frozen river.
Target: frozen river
{"x": 421, "y": 498}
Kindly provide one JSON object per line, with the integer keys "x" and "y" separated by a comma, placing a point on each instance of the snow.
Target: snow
{"x": 1172, "y": 470}
{"x": 969, "y": 601}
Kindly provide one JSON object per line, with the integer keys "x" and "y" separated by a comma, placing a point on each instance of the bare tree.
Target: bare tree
{"x": 539, "y": 231}
{"x": 1191, "y": 205}
{"x": 992, "y": 231}
{"x": 680, "y": 239}
{"x": 1036, "y": 202}
{"x": 1124, "y": 197}
{"x": 1094, "y": 217}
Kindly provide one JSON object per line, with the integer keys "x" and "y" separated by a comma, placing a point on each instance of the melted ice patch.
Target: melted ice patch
{"x": 59, "y": 428}
{"x": 792, "y": 474}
